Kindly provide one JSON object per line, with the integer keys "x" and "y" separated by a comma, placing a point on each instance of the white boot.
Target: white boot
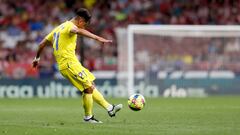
{"x": 114, "y": 110}
{"x": 92, "y": 120}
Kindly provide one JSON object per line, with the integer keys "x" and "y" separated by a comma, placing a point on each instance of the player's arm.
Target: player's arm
{"x": 86, "y": 33}
{"x": 41, "y": 46}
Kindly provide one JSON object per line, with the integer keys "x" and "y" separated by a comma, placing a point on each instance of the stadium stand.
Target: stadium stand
{"x": 23, "y": 23}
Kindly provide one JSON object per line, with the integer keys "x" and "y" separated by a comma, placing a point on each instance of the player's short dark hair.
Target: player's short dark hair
{"x": 83, "y": 13}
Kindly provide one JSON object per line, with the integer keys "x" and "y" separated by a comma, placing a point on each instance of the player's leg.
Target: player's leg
{"x": 86, "y": 94}
{"x": 87, "y": 102}
{"x": 98, "y": 98}
{"x": 112, "y": 109}
{"x": 88, "y": 105}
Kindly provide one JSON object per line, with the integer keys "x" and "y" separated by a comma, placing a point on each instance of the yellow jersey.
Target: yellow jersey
{"x": 64, "y": 44}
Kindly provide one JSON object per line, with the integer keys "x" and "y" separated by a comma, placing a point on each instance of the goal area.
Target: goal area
{"x": 157, "y": 58}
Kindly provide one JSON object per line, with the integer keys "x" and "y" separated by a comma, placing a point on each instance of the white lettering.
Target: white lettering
{"x": 26, "y": 91}
{"x": 181, "y": 92}
{"x": 2, "y": 91}
{"x": 12, "y": 91}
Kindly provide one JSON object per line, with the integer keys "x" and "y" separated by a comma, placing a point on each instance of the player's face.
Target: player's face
{"x": 82, "y": 23}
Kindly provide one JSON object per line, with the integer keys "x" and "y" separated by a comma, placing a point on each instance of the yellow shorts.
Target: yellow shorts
{"x": 79, "y": 76}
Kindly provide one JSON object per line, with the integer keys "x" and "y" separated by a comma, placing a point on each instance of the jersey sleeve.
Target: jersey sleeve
{"x": 49, "y": 37}
{"x": 69, "y": 29}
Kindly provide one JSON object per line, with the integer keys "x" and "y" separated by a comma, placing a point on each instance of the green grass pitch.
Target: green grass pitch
{"x": 161, "y": 116}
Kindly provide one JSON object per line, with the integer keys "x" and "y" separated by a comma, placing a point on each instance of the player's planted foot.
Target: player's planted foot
{"x": 92, "y": 120}
{"x": 114, "y": 110}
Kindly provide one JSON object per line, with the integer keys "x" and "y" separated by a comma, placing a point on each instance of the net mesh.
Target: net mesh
{"x": 160, "y": 52}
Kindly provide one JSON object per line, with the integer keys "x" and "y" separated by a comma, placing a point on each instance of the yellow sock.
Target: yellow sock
{"x": 87, "y": 104}
{"x": 98, "y": 97}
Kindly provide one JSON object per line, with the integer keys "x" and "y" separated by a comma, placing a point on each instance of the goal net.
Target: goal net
{"x": 157, "y": 58}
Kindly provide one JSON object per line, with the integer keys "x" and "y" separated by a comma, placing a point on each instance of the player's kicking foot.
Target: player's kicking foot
{"x": 92, "y": 120}
{"x": 114, "y": 110}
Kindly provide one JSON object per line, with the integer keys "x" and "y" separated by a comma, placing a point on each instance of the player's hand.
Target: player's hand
{"x": 35, "y": 62}
{"x": 102, "y": 40}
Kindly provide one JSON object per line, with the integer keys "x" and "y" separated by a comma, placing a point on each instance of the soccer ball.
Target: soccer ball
{"x": 136, "y": 102}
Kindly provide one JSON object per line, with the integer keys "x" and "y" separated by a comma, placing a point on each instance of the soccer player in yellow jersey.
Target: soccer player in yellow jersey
{"x": 63, "y": 40}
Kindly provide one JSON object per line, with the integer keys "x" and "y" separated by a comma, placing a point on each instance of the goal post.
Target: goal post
{"x": 151, "y": 35}
{"x": 130, "y": 77}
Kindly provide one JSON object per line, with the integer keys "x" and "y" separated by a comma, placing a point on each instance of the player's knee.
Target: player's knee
{"x": 89, "y": 90}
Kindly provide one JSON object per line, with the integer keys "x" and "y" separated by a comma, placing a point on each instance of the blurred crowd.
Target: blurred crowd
{"x": 24, "y": 23}
{"x": 187, "y": 53}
